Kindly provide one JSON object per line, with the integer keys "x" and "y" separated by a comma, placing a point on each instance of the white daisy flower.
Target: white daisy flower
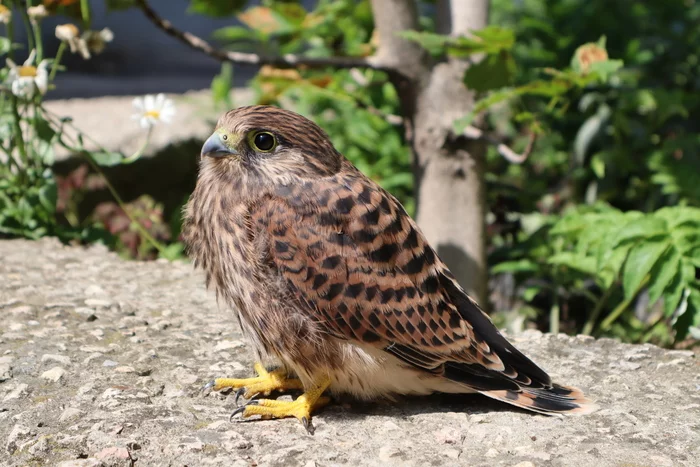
{"x": 153, "y": 109}
{"x": 70, "y": 34}
{"x": 97, "y": 40}
{"x": 27, "y": 79}
{"x": 5, "y": 14}
{"x": 37, "y": 13}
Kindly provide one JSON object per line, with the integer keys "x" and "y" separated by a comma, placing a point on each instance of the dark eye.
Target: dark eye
{"x": 264, "y": 141}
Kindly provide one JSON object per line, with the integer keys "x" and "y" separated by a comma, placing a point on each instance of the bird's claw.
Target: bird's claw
{"x": 207, "y": 388}
{"x": 305, "y": 421}
{"x": 310, "y": 429}
{"x": 241, "y": 409}
{"x": 238, "y": 395}
{"x": 246, "y": 395}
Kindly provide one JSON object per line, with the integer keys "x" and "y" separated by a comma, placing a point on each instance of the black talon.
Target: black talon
{"x": 238, "y": 395}
{"x": 310, "y": 429}
{"x": 207, "y": 387}
{"x": 241, "y": 410}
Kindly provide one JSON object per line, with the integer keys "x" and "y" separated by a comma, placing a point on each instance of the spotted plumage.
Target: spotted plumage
{"x": 329, "y": 274}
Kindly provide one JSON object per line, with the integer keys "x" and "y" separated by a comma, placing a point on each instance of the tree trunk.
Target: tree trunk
{"x": 451, "y": 203}
{"x": 449, "y": 175}
{"x": 448, "y": 169}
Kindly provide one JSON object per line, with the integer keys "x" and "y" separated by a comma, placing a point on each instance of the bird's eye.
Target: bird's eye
{"x": 264, "y": 141}
{"x": 224, "y": 137}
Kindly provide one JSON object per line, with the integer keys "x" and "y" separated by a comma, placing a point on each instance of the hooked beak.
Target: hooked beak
{"x": 215, "y": 147}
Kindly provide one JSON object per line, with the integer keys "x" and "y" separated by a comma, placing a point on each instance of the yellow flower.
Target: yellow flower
{"x": 70, "y": 34}
{"x": 27, "y": 79}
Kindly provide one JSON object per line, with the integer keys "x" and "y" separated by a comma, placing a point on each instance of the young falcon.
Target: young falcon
{"x": 329, "y": 275}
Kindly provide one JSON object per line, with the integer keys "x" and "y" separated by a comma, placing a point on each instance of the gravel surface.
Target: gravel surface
{"x": 102, "y": 361}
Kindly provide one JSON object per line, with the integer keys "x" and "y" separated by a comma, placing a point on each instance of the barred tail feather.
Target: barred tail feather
{"x": 555, "y": 400}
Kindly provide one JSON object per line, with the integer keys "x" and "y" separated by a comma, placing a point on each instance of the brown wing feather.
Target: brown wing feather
{"x": 358, "y": 262}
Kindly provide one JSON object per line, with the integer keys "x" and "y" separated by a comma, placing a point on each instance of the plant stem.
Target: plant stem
{"x": 57, "y": 61}
{"x": 18, "y": 132}
{"x": 85, "y": 11}
{"x": 27, "y": 26}
{"x": 134, "y": 157}
{"x": 156, "y": 244}
{"x": 37, "y": 37}
{"x": 554, "y": 318}
{"x": 590, "y": 323}
{"x": 610, "y": 319}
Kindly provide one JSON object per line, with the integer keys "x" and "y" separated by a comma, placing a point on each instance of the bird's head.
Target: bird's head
{"x": 265, "y": 144}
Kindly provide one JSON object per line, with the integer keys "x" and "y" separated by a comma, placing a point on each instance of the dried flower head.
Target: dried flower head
{"x": 70, "y": 34}
{"x": 97, "y": 40}
{"x": 37, "y": 13}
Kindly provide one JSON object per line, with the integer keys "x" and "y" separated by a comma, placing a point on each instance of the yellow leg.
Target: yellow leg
{"x": 264, "y": 383}
{"x": 301, "y": 408}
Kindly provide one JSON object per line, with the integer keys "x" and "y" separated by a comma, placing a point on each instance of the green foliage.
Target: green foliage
{"x": 622, "y": 253}
{"x": 30, "y": 134}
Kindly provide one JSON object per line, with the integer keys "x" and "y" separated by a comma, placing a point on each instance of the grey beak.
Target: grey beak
{"x": 215, "y": 147}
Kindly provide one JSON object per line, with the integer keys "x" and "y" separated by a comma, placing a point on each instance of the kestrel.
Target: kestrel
{"x": 332, "y": 278}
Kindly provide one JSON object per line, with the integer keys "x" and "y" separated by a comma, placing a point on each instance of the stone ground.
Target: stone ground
{"x": 102, "y": 361}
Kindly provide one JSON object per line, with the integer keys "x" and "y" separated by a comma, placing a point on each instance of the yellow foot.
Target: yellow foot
{"x": 264, "y": 383}
{"x": 301, "y": 408}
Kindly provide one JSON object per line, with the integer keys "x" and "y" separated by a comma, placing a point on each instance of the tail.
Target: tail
{"x": 555, "y": 400}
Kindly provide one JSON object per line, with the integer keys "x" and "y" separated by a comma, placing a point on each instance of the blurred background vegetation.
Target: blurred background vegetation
{"x": 596, "y": 232}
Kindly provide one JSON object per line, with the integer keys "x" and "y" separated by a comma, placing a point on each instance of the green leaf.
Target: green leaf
{"x": 493, "y": 72}
{"x": 523, "y": 265}
{"x": 590, "y": 129}
{"x": 640, "y": 261}
{"x": 672, "y": 294}
{"x": 663, "y": 273}
{"x": 435, "y": 44}
{"x": 216, "y": 7}
{"x": 173, "y": 251}
{"x": 492, "y": 40}
{"x": 530, "y": 293}
{"x": 581, "y": 263}
{"x": 234, "y": 34}
{"x": 5, "y": 45}
{"x": 107, "y": 158}
{"x": 489, "y": 40}
{"x": 48, "y": 195}
{"x": 568, "y": 224}
{"x": 598, "y": 166}
{"x": 461, "y": 123}
{"x": 688, "y": 313}
{"x": 221, "y": 85}
{"x": 676, "y": 215}
{"x": 606, "y": 68}
{"x": 643, "y": 227}
{"x": 266, "y": 20}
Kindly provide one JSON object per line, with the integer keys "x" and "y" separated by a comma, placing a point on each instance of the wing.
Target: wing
{"x": 353, "y": 256}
